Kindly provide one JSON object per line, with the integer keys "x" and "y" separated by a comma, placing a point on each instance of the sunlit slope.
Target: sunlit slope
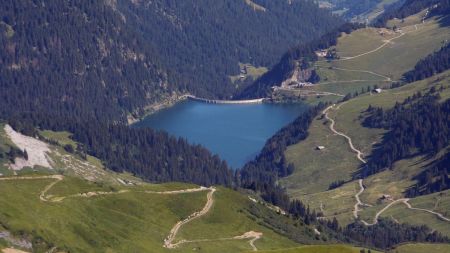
{"x": 422, "y": 247}
{"x": 380, "y": 56}
{"x": 321, "y": 249}
{"x": 133, "y": 221}
{"x": 315, "y": 170}
{"x": 79, "y": 206}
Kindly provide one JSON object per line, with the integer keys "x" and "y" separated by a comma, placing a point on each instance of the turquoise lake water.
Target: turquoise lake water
{"x": 235, "y": 132}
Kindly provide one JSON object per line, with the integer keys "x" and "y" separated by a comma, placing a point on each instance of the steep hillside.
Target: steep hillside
{"x": 108, "y": 59}
{"x": 355, "y": 9}
{"x": 73, "y": 204}
{"x": 337, "y": 195}
{"x": 411, "y": 7}
{"x": 75, "y": 58}
{"x": 328, "y": 167}
{"x": 204, "y": 41}
{"x": 352, "y": 61}
{"x": 92, "y": 67}
{"x": 80, "y": 67}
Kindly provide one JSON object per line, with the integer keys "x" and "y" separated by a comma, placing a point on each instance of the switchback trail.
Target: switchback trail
{"x": 168, "y": 242}
{"x": 359, "y": 155}
{"x": 361, "y": 186}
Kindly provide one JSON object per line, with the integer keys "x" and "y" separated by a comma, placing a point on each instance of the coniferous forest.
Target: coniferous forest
{"x": 417, "y": 126}
{"x": 410, "y": 7}
{"x": 304, "y": 54}
{"x": 433, "y": 64}
{"x": 84, "y": 66}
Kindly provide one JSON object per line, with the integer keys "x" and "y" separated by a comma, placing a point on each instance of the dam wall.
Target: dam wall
{"x": 216, "y": 101}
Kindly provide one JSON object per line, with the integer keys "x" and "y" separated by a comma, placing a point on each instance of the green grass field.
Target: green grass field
{"x": 321, "y": 249}
{"x": 421, "y": 248}
{"x": 391, "y": 61}
{"x": 62, "y": 138}
{"x": 398, "y": 56}
{"x": 229, "y": 218}
{"x": 439, "y": 202}
{"x": 128, "y": 222}
{"x": 252, "y": 71}
{"x": 316, "y": 170}
{"x": 337, "y": 203}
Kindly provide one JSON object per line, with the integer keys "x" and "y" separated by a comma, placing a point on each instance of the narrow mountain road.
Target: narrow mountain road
{"x": 168, "y": 242}
{"x": 358, "y": 200}
{"x": 441, "y": 216}
{"x": 359, "y": 203}
{"x": 408, "y": 205}
{"x": 377, "y": 215}
{"x": 386, "y": 42}
{"x": 359, "y": 154}
{"x": 385, "y": 78}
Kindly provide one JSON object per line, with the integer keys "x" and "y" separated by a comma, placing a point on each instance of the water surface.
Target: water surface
{"x": 235, "y": 132}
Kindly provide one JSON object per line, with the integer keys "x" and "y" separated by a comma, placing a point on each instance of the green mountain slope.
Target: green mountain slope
{"x": 327, "y": 169}
{"x": 204, "y": 41}
{"x": 79, "y": 206}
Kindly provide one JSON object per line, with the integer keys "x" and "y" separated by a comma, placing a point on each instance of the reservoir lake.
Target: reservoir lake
{"x": 236, "y": 132}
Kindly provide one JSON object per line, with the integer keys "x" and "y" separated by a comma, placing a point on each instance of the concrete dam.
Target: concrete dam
{"x": 216, "y": 101}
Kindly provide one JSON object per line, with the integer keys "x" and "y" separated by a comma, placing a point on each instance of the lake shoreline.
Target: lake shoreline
{"x": 236, "y": 132}
{"x": 177, "y": 98}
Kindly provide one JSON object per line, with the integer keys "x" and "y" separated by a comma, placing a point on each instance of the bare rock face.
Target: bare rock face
{"x": 37, "y": 150}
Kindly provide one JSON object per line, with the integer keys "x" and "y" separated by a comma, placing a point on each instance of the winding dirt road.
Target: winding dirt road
{"x": 358, "y": 200}
{"x": 408, "y": 205}
{"x": 385, "y": 78}
{"x": 359, "y": 154}
{"x": 359, "y": 203}
{"x": 386, "y": 42}
{"x": 169, "y": 241}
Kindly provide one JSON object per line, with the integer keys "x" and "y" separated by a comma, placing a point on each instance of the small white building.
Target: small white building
{"x": 320, "y": 147}
{"x": 378, "y": 90}
{"x": 387, "y": 197}
{"x": 321, "y": 53}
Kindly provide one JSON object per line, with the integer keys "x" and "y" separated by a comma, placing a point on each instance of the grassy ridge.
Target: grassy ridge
{"x": 120, "y": 223}
{"x": 128, "y": 222}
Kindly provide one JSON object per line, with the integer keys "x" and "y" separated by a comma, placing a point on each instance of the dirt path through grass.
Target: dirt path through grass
{"x": 408, "y": 205}
{"x": 359, "y": 154}
{"x": 359, "y": 203}
{"x": 169, "y": 241}
{"x": 358, "y": 200}
{"x": 386, "y": 42}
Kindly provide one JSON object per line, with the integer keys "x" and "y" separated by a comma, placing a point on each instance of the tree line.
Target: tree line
{"x": 203, "y": 41}
{"x": 434, "y": 63}
{"x": 417, "y": 126}
{"x": 302, "y": 55}
{"x": 433, "y": 179}
{"x": 407, "y": 8}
